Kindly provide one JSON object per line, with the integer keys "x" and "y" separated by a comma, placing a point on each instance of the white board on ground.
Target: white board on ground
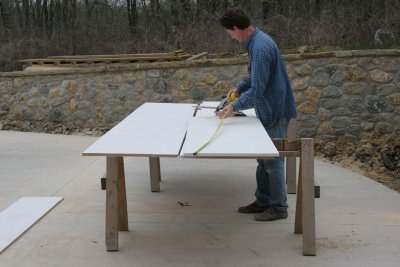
{"x": 21, "y": 215}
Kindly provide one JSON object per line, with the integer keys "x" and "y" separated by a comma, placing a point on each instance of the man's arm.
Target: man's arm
{"x": 244, "y": 85}
{"x": 245, "y": 101}
{"x": 259, "y": 76}
{"x": 240, "y": 88}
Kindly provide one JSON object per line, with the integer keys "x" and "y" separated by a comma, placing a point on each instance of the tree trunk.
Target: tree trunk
{"x": 25, "y": 8}
{"x": 73, "y": 23}
{"x": 317, "y": 7}
{"x": 4, "y": 18}
{"x": 132, "y": 15}
{"x": 38, "y": 21}
{"x": 266, "y": 7}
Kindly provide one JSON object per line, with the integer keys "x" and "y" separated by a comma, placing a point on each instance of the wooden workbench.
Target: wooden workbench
{"x": 157, "y": 130}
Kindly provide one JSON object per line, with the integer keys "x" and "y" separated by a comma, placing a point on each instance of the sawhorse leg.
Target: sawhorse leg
{"x": 155, "y": 174}
{"x": 291, "y": 175}
{"x": 291, "y": 161}
{"x": 305, "y": 205}
{"x": 122, "y": 206}
{"x": 116, "y": 208}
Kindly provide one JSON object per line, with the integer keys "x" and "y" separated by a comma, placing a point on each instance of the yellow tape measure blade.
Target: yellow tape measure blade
{"x": 212, "y": 137}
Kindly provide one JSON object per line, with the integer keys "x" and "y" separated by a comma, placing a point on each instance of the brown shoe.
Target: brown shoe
{"x": 271, "y": 214}
{"x": 252, "y": 208}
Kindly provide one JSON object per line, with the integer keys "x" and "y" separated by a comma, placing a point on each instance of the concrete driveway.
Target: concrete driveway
{"x": 193, "y": 220}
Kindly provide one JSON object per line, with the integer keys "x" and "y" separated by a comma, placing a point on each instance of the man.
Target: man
{"x": 267, "y": 89}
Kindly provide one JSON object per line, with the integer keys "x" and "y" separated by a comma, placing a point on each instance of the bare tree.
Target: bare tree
{"x": 34, "y": 28}
{"x": 4, "y": 17}
{"x": 132, "y": 15}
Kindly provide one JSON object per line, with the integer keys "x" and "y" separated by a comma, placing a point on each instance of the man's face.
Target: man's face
{"x": 236, "y": 34}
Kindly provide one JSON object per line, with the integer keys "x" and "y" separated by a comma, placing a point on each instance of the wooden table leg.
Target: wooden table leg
{"x": 291, "y": 161}
{"x": 112, "y": 204}
{"x": 291, "y": 175}
{"x": 122, "y": 206}
{"x": 298, "y": 222}
{"x": 155, "y": 174}
{"x": 307, "y": 168}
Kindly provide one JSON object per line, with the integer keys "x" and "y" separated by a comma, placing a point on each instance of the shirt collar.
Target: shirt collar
{"x": 249, "y": 40}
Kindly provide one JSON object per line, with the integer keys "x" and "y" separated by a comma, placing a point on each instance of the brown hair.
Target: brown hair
{"x": 234, "y": 17}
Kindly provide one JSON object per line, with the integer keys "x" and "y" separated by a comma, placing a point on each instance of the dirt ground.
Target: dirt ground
{"x": 377, "y": 157}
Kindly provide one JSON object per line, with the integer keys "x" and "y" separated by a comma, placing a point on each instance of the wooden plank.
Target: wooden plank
{"x": 112, "y": 204}
{"x": 289, "y": 153}
{"x": 165, "y": 127}
{"x": 104, "y": 59}
{"x": 309, "y": 242}
{"x": 286, "y": 144}
{"x": 198, "y": 56}
{"x": 155, "y": 174}
{"x": 298, "y": 221}
{"x": 122, "y": 204}
{"x": 154, "y": 55}
{"x": 22, "y": 215}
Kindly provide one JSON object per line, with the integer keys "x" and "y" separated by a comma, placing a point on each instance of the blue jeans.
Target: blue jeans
{"x": 271, "y": 184}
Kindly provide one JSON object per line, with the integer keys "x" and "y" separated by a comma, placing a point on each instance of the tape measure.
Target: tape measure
{"x": 212, "y": 137}
{"x": 233, "y": 97}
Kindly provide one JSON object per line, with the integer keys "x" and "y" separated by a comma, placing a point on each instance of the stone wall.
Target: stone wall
{"x": 344, "y": 95}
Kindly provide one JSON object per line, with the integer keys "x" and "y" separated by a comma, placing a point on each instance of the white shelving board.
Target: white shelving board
{"x": 238, "y": 137}
{"x": 152, "y": 129}
{"x": 158, "y": 130}
{"x": 21, "y": 215}
{"x": 214, "y": 104}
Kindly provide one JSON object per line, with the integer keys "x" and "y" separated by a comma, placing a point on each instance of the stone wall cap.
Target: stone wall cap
{"x": 344, "y": 53}
{"x": 190, "y": 63}
{"x": 125, "y": 67}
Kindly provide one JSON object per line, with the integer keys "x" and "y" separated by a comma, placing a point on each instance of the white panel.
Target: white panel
{"x": 206, "y": 112}
{"x": 214, "y": 104}
{"x": 153, "y": 129}
{"x": 158, "y": 129}
{"x": 21, "y": 215}
{"x": 243, "y": 137}
{"x": 250, "y": 112}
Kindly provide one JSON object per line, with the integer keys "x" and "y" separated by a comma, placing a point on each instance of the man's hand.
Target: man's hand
{"x": 226, "y": 112}
{"x": 233, "y": 90}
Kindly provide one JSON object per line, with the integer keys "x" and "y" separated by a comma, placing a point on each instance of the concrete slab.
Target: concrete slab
{"x": 358, "y": 220}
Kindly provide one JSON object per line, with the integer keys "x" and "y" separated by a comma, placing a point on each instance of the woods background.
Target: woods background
{"x": 41, "y": 28}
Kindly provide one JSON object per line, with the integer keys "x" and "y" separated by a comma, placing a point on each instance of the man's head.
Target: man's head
{"x": 236, "y": 23}
{"x": 234, "y": 17}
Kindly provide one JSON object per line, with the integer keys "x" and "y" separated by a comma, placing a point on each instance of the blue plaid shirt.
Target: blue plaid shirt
{"x": 267, "y": 89}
